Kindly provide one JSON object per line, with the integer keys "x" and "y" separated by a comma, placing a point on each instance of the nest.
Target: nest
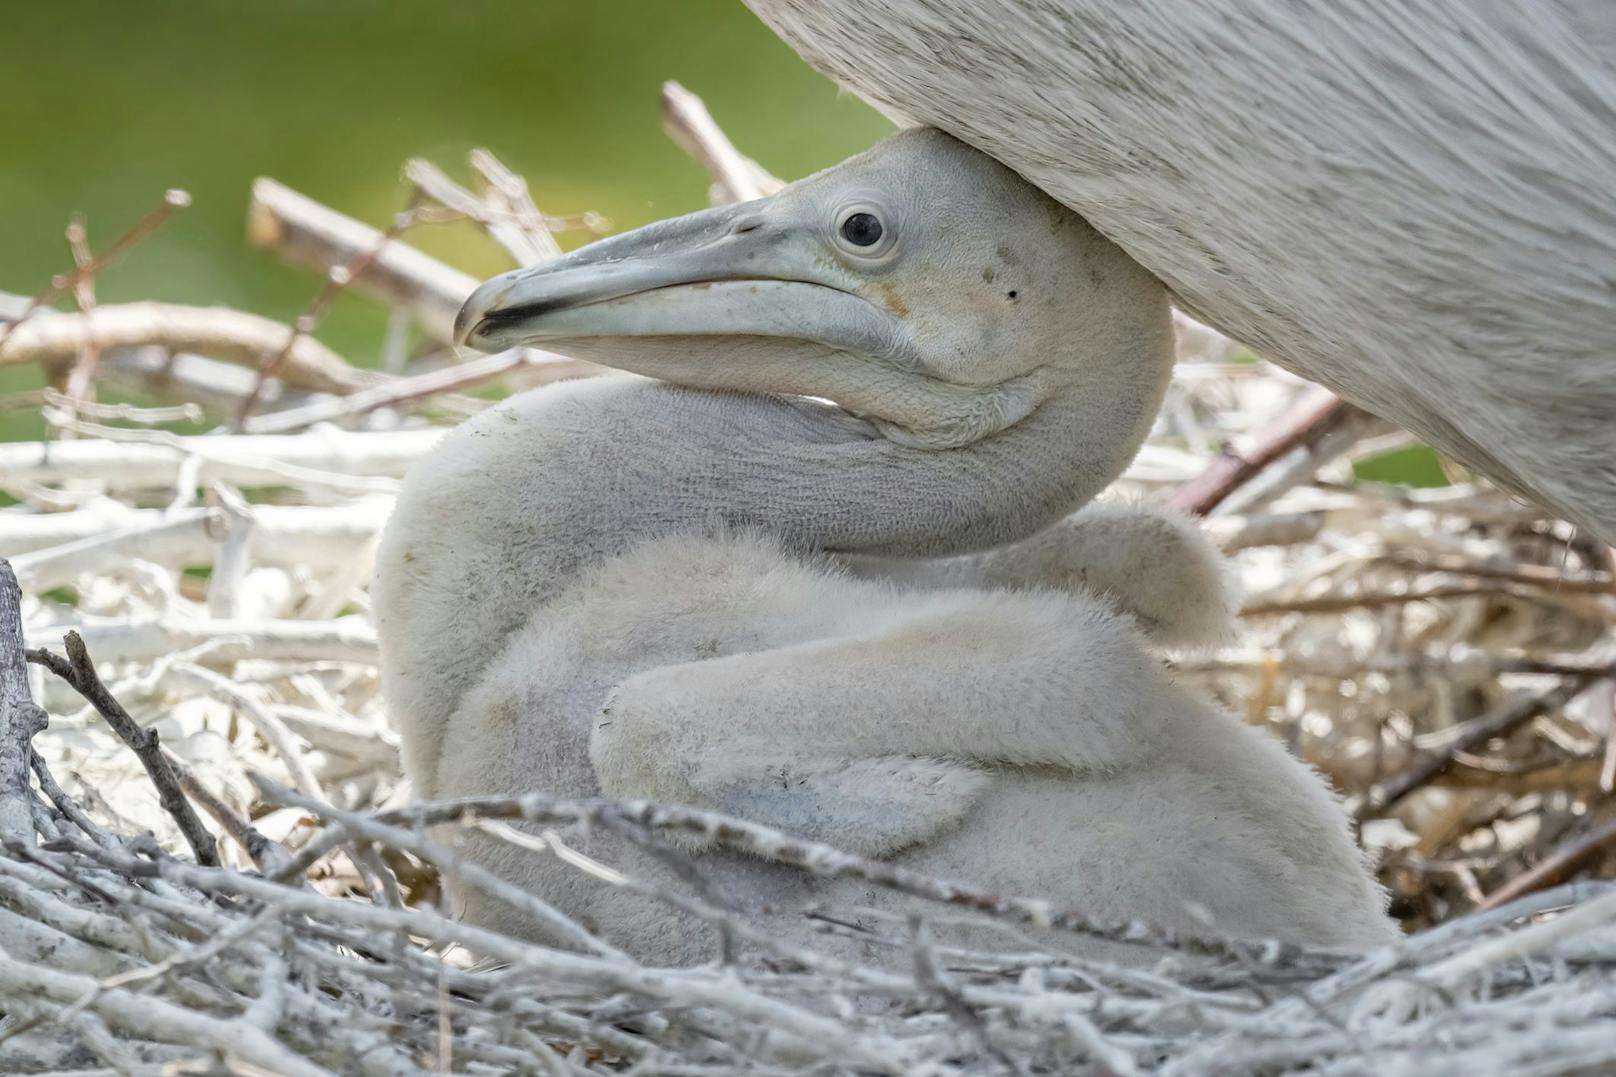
{"x": 212, "y": 864}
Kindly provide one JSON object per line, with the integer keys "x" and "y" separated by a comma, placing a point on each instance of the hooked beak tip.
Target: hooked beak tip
{"x": 465, "y": 324}
{"x": 484, "y": 301}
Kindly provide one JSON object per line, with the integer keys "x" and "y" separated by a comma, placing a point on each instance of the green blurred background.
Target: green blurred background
{"x": 106, "y": 103}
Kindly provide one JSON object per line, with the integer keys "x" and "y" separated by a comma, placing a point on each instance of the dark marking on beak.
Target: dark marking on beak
{"x": 464, "y": 327}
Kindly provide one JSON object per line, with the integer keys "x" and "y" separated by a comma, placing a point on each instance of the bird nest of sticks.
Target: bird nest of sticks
{"x": 212, "y": 863}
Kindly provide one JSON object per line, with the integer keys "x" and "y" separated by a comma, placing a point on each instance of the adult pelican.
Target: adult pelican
{"x": 1408, "y": 202}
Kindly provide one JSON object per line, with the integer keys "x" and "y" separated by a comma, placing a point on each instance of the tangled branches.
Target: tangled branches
{"x": 152, "y": 961}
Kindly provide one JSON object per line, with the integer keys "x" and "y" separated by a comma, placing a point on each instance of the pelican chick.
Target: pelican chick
{"x": 819, "y": 567}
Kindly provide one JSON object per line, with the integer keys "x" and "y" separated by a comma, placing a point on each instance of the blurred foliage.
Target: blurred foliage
{"x": 1414, "y": 465}
{"x": 105, "y": 103}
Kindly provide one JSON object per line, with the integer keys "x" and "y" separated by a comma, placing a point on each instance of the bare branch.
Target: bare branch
{"x": 352, "y": 461}
{"x": 81, "y": 379}
{"x": 1333, "y": 603}
{"x": 1312, "y": 416}
{"x": 712, "y": 828}
{"x": 79, "y": 671}
{"x": 736, "y": 177}
{"x": 1565, "y": 861}
{"x": 1499, "y": 723}
{"x": 524, "y": 237}
{"x": 173, "y": 201}
{"x": 303, "y": 232}
{"x": 234, "y": 641}
{"x": 20, "y": 717}
{"x": 268, "y": 855}
{"x": 466, "y": 375}
{"x": 337, "y": 278}
{"x": 215, "y": 331}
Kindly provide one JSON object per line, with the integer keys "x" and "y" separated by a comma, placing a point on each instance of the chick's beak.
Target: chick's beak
{"x": 724, "y": 271}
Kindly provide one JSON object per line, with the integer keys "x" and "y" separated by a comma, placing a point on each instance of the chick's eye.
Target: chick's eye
{"x": 862, "y": 229}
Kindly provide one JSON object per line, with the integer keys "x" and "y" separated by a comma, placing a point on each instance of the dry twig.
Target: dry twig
{"x": 86, "y": 269}
{"x": 337, "y": 278}
{"x": 1499, "y": 723}
{"x": 736, "y": 177}
{"x": 223, "y": 334}
{"x": 1309, "y": 419}
{"x": 79, "y": 671}
{"x": 308, "y": 234}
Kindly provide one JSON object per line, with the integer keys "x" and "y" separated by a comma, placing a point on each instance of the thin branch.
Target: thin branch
{"x": 524, "y": 238}
{"x": 337, "y": 278}
{"x": 81, "y": 379}
{"x": 266, "y": 722}
{"x": 455, "y": 378}
{"x": 1557, "y": 867}
{"x": 1453, "y": 663}
{"x": 173, "y": 201}
{"x": 304, "y": 232}
{"x": 231, "y": 335}
{"x": 347, "y": 460}
{"x": 269, "y": 855}
{"x": 1501, "y": 722}
{"x": 1522, "y": 572}
{"x": 507, "y": 190}
{"x": 1313, "y": 415}
{"x": 79, "y": 671}
{"x": 818, "y": 859}
{"x": 1234, "y": 533}
{"x": 736, "y": 177}
{"x": 194, "y": 380}
{"x": 362, "y": 828}
{"x": 58, "y": 567}
{"x": 65, "y": 804}
{"x": 1335, "y": 603}
{"x": 187, "y": 412}
{"x": 233, "y": 641}
{"x": 54, "y": 548}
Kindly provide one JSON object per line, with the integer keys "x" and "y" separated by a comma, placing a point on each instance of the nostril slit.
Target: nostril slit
{"x": 744, "y": 225}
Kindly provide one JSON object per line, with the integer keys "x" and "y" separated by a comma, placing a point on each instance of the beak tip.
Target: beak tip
{"x": 486, "y": 299}
{"x": 464, "y": 324}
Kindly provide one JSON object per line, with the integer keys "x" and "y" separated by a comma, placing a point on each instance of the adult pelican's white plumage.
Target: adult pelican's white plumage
{"x": 1409, "y": 202}
{"x": 868, "y": 622}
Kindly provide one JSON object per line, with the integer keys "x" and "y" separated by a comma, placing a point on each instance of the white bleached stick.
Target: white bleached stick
{"x": 319, "y": 536}
{"x": 362, "y": 462}
{"x": 277, "y": 641}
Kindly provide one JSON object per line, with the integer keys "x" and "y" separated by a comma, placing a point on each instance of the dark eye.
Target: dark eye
{"x": 862, "y": 230}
